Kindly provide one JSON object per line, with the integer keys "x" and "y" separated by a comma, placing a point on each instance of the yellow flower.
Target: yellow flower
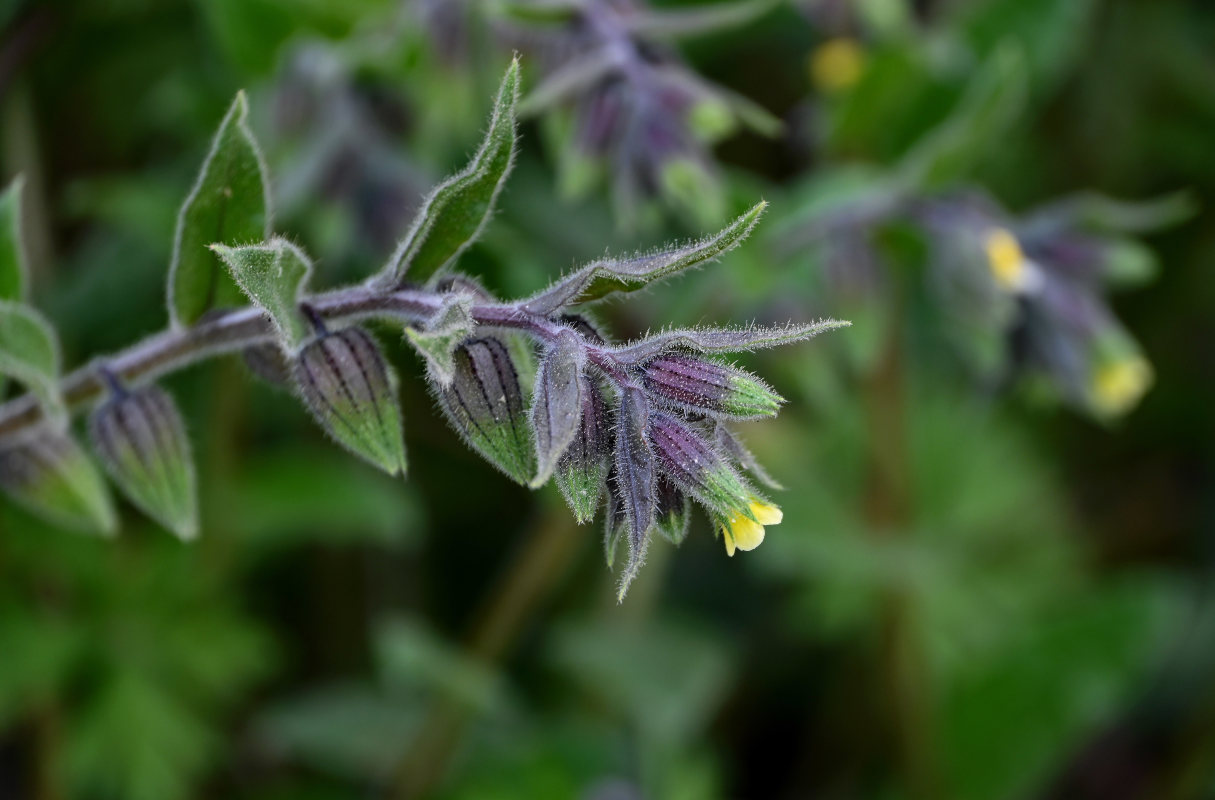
{"x": 837, "y": 65}
{"x": 1006, "y": 260}
{"x": 745, "y": 531}
{"x": 1118, "y": 384}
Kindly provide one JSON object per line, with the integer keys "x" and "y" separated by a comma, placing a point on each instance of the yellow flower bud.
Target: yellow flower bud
{"x": 837, "y": 65}
{"x": 1007, "y": 262}
{"x": 1119, "y": 384}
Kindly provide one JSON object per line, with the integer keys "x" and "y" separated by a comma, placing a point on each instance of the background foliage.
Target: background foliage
{"x": 982, "y": 588}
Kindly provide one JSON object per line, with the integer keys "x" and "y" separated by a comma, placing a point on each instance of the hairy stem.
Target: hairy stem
{"x": 231, "y": 331}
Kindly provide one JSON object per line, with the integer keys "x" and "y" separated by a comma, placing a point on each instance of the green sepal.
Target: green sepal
{"x": 52, "y": 477}
{"x": 273, "y": 275}
{"x": 229, "y": 204}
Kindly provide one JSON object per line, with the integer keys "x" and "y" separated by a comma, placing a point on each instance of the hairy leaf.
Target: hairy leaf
{"x": 437, "y": 341}
{"x": 52, "y": 477}
{"x": 984, "y": 114}
{"x": 724, "y": 340}
{"x": 12, "y": 253}
{"x": 601, "y": 278}
{"x": 273, "y": 275}
{"x": 557, "y": 404}
{"x": 143, "y": 444}
{"x": 229, "y": 204}
{"x": 29, "y": 352}
{"x": 457, "y": 209}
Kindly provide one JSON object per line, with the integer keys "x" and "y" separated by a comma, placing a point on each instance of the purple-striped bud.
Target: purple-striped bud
{"x": 696, "y": 466}
{"x": 486, "y": 406}
{"x": 634, "y": 465}
{"x": 142, "y": 442}
{"x": 347, "y": 385}
{"x": 582, "y": 471}
{"x": 699, "y": 385}
{"x": 52, "y": 477}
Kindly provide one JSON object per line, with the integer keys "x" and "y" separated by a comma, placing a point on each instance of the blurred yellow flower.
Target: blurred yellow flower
{"x": 743, "y": 531}
{"x": 837, "y": 65}
{"x": 1118, "y": 385}
{"x": 1006, "y": 260}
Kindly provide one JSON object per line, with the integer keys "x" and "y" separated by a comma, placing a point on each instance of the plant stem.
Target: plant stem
{"x": 518, "y": 593}
{"x": 176, "y": 348}
{"x": 889, "y": 510}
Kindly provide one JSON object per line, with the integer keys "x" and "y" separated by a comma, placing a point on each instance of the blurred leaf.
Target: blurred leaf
{"x": 1050, "y": 32}
{"x": 665, "y": 680}
{"x": 12, "y": 250}
{"x": 229, "y": 204}
{"x": 978, "y": 124}
{"x": 677, "y": 23}
{"x": 40, "y": 653}
{"x": 1014, "y": 715}
{"x": 29, "y": 352}
{"x": 350, "y": 730}
{"x": 293, "y": 495}
{"x": 412, "y": 658}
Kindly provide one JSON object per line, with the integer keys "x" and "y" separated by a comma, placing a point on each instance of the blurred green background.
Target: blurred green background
{"x": 983, "y": 588}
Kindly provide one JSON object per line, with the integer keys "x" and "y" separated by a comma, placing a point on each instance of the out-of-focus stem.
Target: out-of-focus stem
{"x": 516, "y": 596}
{"x": 889, "y": 511}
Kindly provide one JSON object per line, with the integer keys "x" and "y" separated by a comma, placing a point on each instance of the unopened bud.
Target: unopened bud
{"x": 694, "y": 465}
{"x": 485, "y": 404}
{"x": 672, "y": 511}
{"x": 142, "y": 442}
{"x": 52, "y": 477}
{"x": 582, "y": 470}
{"x": 699, "y": 385}
{"x": 347, "y": 385}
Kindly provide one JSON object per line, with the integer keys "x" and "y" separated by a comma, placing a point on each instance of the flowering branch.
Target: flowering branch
{"x": 642, "y": 423}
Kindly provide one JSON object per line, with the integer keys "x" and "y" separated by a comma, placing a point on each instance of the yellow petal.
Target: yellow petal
{"x": 766, "y": 513}
{"x": 1006, "y": 260}
{"x": 742, "y": 533}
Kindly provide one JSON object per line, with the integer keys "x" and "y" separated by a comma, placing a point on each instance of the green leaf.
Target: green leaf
{"x": 52, "y": 477}
{"x": 537, "y": 12}
{"x": 12, "y": 253}
{"x": 675, "y": 23}
{"x": 437, "y": 341}
{"x": 29, "y": 352}
{"x": 229, "y": 204}
{"x": 273, "y": 275}
{"x": 981, "y": 119}
{"x": 456, "y": 210}
{"x": 601, "y": 278}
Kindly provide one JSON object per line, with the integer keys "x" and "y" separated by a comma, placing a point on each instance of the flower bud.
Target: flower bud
{"x": 672, "y": 511}
{"x": 698, "y": 385}
{"x": 52, "y": 477}
{"x": 142, "y": 442}
{"x": 582, "y": 470}
{"x": 485, "y": 405}
{"x": 694, "y": 465}
{"x": 347, "y": 385}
